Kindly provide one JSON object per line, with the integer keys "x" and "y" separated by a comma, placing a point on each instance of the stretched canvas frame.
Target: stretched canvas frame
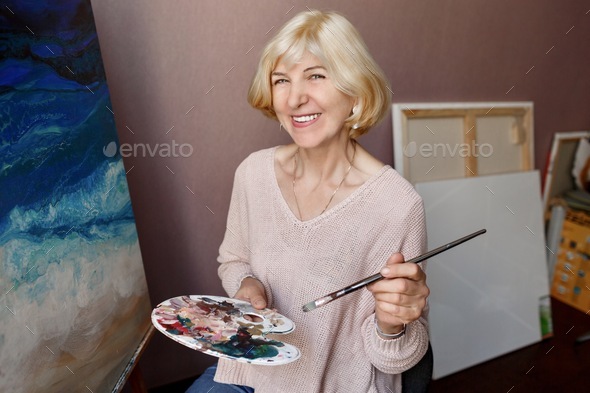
{"x": 437, "y": 141}
{"x": 74, "y": 306}
{"x": 490, "y": 295}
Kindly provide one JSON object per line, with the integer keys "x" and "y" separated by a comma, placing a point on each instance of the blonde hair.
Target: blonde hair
{"x": 337, "y": 44}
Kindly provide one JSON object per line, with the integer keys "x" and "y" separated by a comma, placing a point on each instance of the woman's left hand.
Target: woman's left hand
{"x": 401, "y": 296}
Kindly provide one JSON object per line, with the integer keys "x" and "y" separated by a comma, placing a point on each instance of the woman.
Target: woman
{"x": 314, "y": 216}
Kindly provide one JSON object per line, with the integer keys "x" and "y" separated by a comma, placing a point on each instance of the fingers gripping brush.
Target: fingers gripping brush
{"x": 376, "y": 277}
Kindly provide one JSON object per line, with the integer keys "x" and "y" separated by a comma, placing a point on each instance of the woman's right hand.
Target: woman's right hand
{"x": 252, "y": 291}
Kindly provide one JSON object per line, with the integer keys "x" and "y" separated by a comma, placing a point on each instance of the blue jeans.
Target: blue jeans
{"x": 206, "y": 384}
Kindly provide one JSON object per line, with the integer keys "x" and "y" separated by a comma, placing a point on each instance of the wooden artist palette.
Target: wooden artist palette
{"x": 226, "y": 328}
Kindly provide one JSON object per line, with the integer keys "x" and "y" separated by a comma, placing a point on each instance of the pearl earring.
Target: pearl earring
{"x": 355, "y": 109}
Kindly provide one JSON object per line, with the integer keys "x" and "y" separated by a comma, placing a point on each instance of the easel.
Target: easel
{"x": 131, "y": 373}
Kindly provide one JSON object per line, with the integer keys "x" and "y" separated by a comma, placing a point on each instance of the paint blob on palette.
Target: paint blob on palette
{"x": 226, "y": 328}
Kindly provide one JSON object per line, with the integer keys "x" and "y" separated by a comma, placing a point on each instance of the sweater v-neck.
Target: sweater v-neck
{"x": 340, "y": 205}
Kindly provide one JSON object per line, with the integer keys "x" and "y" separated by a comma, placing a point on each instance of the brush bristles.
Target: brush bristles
{"x": 317, "y": 303}
{"x": 309, "y": 306}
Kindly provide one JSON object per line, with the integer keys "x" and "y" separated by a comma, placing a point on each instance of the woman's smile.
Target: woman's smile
{"x": 304, "y": 120}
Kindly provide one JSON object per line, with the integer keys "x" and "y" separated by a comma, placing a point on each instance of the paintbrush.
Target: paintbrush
{"x": 376, "y": 277}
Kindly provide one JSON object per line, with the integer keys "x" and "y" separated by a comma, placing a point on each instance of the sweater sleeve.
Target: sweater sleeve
{"x": 397, "y": 355}
{"x": 234, "y": 252}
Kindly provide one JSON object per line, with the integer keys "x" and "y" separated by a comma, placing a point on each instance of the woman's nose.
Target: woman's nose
{"x": 297, "y": 95}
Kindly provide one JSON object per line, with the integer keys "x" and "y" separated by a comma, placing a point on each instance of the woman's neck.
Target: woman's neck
{"x": 325, "y": 163}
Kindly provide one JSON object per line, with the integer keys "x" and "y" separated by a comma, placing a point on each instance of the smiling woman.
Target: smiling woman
{"x": 315, "y": 215}
{"x": 307, "y": 103}
{"x": 339, "y": 51}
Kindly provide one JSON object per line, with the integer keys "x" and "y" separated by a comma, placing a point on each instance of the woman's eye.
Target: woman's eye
{"x": 317, "y": 76}
{"x": 279, "y": 81}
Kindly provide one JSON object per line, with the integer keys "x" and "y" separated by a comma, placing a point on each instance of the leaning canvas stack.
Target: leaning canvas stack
{"x": 472, "y": 164}
{"x": 567, "y": 206}
{"x": 571, "y": 283}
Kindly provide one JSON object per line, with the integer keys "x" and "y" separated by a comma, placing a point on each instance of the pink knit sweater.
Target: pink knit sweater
{"x": 301, "y": 261}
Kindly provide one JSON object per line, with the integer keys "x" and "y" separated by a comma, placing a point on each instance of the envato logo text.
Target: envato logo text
{"x": 145, "y": 149}
{"x": 463, "y": 150}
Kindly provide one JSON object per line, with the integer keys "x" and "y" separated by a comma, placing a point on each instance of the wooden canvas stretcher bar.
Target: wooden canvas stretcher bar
{"x": 436, "y": 141}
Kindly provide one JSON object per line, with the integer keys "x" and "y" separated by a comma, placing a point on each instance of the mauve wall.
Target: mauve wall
{"x": 164, "y": 58}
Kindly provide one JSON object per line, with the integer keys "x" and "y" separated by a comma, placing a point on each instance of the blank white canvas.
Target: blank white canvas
{"x": 485, "y": 293}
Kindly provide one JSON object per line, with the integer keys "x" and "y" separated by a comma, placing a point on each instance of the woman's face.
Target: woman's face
{"x": 308, "y": 104}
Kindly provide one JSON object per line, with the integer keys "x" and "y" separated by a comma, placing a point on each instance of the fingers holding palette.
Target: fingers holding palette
{"x": 226, "y": 328}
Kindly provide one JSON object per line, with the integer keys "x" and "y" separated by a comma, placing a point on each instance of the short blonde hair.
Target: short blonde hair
{"x": 337, "y": 44}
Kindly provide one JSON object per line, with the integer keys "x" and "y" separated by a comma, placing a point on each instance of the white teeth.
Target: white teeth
{"x": 303, "y": 119}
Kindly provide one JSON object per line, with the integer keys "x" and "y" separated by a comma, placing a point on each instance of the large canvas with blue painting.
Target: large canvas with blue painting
{"x": 73, "y": 296}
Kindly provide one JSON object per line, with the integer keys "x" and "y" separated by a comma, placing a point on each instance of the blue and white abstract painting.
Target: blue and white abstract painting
{"x": 73, "y": 295}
